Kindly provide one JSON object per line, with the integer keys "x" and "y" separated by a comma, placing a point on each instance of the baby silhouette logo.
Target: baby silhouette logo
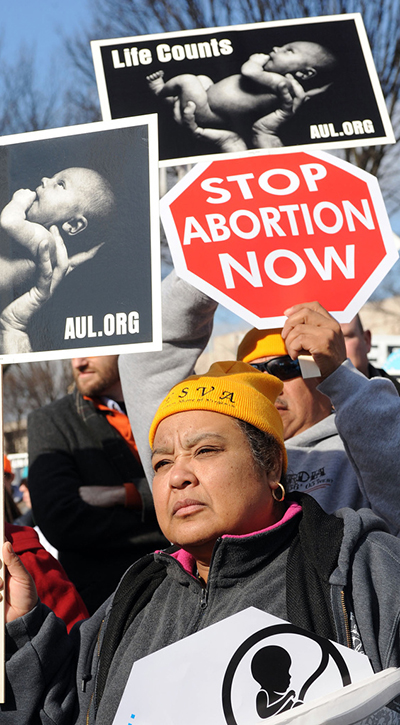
{"x": 279, "y": 668}
{"x": 270, "y": 667}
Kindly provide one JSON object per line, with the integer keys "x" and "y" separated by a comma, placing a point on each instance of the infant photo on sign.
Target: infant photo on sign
{"x": 77, "y": 240}
{"x": 71, "y": 198}
{"x": 266, "y": 85}
{"x": 242, "y": 108}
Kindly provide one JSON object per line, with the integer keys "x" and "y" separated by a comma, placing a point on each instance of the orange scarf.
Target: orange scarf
{"x": 120, "y": 422}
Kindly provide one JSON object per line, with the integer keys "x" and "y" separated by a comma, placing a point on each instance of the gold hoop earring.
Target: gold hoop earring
{"x": 283, "y": 493}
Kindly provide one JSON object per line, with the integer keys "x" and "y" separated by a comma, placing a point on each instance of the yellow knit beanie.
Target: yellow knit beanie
{"x": 230, "y": 388}
{"x": 261, "y": 343}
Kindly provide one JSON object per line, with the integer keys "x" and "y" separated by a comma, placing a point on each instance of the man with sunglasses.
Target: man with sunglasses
{"x": 300, "y": 404}
{"x": 358, "y": 345}
{"x": 336, "y": 431}
{"x": 341, "y": 458}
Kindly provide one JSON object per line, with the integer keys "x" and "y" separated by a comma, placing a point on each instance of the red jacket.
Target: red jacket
{"x": 52, "y": 584}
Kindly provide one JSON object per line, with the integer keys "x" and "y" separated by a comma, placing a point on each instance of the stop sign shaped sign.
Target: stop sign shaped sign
{"x": 260, "y": 233}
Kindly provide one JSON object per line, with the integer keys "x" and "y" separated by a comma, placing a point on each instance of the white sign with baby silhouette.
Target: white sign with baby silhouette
{"x": 309, "y": 81}
{"x": 243, "y": 670}
{"x": 79, "y": 241}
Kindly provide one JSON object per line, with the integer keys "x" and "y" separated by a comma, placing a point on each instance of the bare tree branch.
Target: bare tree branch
{"x": 120, "y": 18}
{"x": 30, "y": 385}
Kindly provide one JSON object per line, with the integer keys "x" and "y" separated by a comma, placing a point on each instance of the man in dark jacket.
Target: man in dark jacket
{"x": 89, "y": 494}
{"x": 358, "y": 345}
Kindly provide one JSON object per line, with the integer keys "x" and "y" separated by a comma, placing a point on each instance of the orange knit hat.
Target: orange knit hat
{"x": 261, "y": 343}
{"x": 230, "y": 388}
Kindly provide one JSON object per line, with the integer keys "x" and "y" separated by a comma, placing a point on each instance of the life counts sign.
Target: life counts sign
{"x": 263, "y": 232}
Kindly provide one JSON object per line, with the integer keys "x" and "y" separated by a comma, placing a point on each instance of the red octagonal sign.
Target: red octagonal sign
{"x": 263, "y": 232}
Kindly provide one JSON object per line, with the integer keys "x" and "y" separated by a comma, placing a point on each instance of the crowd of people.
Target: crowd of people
{"x": 243, "y": 486}
{"x": 160, "y": 501}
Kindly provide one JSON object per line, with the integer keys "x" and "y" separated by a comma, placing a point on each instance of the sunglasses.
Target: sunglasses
{"x": 283, "y": 367}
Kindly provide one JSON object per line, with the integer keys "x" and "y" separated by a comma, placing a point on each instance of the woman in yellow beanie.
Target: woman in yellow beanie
{"x": 218, "y": 456}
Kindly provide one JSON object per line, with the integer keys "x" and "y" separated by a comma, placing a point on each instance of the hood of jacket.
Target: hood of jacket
{"x": 357, "y": 524}
{"x": 323, "y": 430}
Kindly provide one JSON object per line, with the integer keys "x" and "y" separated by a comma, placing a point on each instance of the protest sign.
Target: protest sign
{"x": 263, "y": 233}
{"x": 98, "y": 183}
{"x": 338, "y": 99}
{"x": 239, "y": 668}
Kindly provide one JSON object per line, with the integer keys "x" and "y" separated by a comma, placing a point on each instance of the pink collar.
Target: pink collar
{"x": 188, "y": 562}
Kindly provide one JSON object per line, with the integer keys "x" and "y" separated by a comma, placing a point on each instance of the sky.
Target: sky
{"x": 42, "y": 23}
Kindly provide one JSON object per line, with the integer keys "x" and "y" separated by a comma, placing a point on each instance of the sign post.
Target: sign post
{"x": 261, "y": 233}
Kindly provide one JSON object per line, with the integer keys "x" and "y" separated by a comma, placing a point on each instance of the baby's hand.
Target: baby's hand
{"x": 14, "y": 213}
{"x": 259, "y": 58}
{"x": 14, "y": 221}
{"x": 24, "y": 198}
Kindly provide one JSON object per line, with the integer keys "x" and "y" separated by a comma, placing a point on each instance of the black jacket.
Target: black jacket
{"x": 71, "y": 444}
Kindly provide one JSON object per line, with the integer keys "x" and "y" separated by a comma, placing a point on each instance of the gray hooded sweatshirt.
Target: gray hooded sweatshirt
{"x": 348, "y": 459}
{"x": 53, "y": 676}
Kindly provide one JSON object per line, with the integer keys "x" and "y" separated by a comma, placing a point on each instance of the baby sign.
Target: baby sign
{"x": 249, "y": 667}
{"x": 79, "y": 241}
{"x": 308, "y": 81}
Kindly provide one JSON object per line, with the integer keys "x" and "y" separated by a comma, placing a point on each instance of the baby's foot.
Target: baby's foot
{"x": 156, "y": 82}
